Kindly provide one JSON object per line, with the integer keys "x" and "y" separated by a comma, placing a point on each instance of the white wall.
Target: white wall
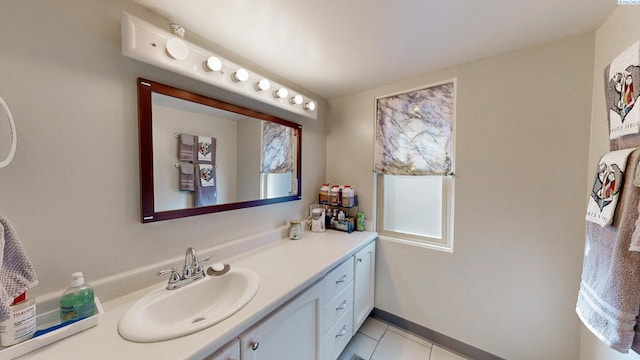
{"x": 72, "y": 192}
{"x": 522, "y": 138}
{"x": 617, "y": 33}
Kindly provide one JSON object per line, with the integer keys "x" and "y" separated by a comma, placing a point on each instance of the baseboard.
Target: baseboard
{"x": 435, "y": 337}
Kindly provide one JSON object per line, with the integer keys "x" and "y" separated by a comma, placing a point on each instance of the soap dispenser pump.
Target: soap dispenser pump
{"x": 77, "y": 301}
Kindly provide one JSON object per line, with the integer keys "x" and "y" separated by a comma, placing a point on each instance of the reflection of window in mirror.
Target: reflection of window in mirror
{"x": 278, "y": 161}
{"x": 276, "y": 185}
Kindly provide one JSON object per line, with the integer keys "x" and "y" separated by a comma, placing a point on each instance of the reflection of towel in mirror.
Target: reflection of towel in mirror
{"x": 206, "y": 150}
{"x": 609, "y": 298}
{"x": 187, "y": 147}
{"x": 205, "y": 189}
{"x": 16, "y": 272}
{"x": 186, "y": 177}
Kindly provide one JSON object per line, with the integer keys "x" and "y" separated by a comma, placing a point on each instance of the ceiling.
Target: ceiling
{"x": 339, "y": 47}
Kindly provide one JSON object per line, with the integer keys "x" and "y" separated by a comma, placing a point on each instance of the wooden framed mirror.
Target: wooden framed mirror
{"x": 199, "y": 155}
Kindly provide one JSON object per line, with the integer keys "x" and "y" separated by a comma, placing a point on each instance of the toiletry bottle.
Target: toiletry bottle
{"x": 360, "y": 222}
{"x": 324, "y": 194}
{"x": 77, "y": 301}
{"x": 22, "y": 324}
{"x": 335, "y": 195}
{"x": 348, "y": 196}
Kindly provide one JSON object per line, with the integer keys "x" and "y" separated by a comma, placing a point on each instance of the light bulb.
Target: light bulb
{"x": 281, "y": 93}
{"x": 177, "y": 49}
{"x": 212, "y": 64}
{"x": 263, "y": 85}
{"x": 296, "y": 100}
{"x": 311, "y": 106}
{"x": 241, "y": 75}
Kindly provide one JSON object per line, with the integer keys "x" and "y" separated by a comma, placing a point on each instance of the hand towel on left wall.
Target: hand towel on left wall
{"x": 16, "y": 272}
{"x": 606, "y": 187}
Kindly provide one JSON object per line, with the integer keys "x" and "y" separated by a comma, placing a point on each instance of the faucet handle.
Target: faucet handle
{"x": 173, "y": 278}
{"x": 198, "y": 265}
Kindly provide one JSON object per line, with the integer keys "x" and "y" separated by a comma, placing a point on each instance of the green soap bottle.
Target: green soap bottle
{"x": 77, "y": 301}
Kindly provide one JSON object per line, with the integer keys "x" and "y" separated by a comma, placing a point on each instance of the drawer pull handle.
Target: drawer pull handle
{"x": 342, "y": 332}
{"x": 359, "y": 259}
{"x": 342, "y": 306}
{"x": 342, "y": 279}
{"x": 254, "y": 345}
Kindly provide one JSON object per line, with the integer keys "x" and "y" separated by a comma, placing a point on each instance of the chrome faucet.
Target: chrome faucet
{"x": 191, "y": 272}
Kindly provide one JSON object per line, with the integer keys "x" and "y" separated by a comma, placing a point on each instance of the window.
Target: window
{"x": 414, "y": 164}
{"x": 416, "y": 210}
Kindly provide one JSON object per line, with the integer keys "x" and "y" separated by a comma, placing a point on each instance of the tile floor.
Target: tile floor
{"x": 378, "y": 341}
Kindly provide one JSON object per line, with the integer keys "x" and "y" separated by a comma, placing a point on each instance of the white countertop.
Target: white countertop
{"x": 285, "y": 268}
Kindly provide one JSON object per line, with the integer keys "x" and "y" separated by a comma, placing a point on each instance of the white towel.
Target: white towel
{"x": 606, "y": 187}
{"x": 623, "y": 87}
{"x": 16, "y": 272}
{"x": 205, "y": 148}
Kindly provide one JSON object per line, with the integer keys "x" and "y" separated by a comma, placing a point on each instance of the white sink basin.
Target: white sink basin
{"x": 166, "y": 314}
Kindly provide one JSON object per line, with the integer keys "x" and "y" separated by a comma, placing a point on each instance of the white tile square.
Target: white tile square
{"x": 373, "y": 328}
{"x": 409, "y": 336}
{"x": 360, "y": 345}
{"x": 394, "y": 346}
{"x": 438, "y": 353}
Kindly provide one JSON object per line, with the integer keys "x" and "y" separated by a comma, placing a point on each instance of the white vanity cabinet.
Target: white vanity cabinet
{"x": 292, "y": 332}
{"x": 231, "y": 351}
{"x": 318, "y": 323}
{"x": 338, "y": 313}
{"x": 364, "y": 284}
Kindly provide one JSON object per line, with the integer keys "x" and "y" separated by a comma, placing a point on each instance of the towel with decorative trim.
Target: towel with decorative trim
{"x": 187, "y": 177}
{"x": 187, "y": 147}
{"x": 608, "y": 301}
{"x": 16, "y": 272}
{"x": 205, "y": 193}
{"x": 206, "y": 151}
{"x": 622, "y": 87}
{"x": 606, "y": 187}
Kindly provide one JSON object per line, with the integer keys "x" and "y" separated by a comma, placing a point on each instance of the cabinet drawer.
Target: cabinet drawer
{"x": 338, "y": 279}
{"x": 338, "y": 306}
{"x": 337, "y": 338}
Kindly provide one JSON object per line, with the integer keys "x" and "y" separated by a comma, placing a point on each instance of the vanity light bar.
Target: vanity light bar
{"x": 148, "y": 43}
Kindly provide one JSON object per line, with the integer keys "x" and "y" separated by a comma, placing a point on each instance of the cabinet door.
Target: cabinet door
{"x": 364, "y": 284}
{"x": 292, "y": 332}
{"x": 231, "y": 351}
